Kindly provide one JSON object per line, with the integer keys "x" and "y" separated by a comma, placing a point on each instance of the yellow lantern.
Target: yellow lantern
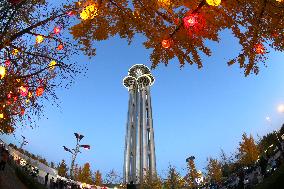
{"x": 2, "y": 72}
{"x": 213, "y": 2}
{"x": 39, "y": 39}
{"x": 1, "y": 116}
{"x": 164, "y": 3}
{"x": 52, "y": 65}
{"x": 15, "y": 51}
{"x": 89, "y": 12}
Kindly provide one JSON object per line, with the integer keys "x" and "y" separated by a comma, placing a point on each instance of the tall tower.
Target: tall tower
{"x": 139, "y": 155}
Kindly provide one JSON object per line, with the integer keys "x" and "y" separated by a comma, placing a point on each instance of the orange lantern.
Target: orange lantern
{"x": 22, "y": 111}
{"x": 259, "y": 48}
{"x": 166, "y": 43}
{"x": 39, "y": 91}
{"x": 60, "y": 47}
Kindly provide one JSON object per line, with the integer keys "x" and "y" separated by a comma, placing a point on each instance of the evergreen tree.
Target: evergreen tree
{"x": 85, "y": 175}
{"x": 214, "y": 170}
{"x": 248, "y": 151}
{"x": 192, "y": 173}
{"x": 98, "y": 180}
{"x": 151, "y": 181}
{"x": 62, "y": 169}
{"x": 174, "y": 179}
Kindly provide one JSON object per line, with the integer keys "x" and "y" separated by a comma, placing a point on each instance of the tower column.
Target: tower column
{"x": 139, "y": 154}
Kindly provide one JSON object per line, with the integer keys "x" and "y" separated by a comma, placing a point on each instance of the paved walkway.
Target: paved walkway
{"x": 9, "y": 180}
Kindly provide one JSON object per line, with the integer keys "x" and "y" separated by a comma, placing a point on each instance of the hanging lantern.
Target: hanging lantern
{"x": 39, "y": 39}
{"x": 56, "y": 30}
{"x": 2, "y": 72}
{"x": 22, "y": 111}
{"x": 190, "y": 20}
{"x": 18, "y": 80}
{"x": 213, "y": 2}
{"x": 70, "y": 13}
{"x": 15, "y": 51}
{"x": 89, "y": 12}
{"x": 24, "y": 91}
{"x": 30, "y": 94}
{"x": 164, "y": 3}
{"x": 52, "y": 65}
{"x": 1, "y": 115}
{"x": 60, "y": 47}
{"x": 39, "y": 91}
{"x": 259, "y": 48}
{"x": 166, "y": 43}
{"x": 7, "y": 63}
{"x": 15, "y": 98}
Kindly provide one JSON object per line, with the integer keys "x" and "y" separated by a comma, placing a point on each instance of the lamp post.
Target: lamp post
{"x": 75, "y": 151}
{"x": 24, "y": 142}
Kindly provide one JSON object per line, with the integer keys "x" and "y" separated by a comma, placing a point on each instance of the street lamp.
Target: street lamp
{"x": 24, "y": 142}
{"x": 75, "y": 151}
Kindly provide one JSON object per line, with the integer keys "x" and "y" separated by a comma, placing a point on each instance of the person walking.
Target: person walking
{"x": 4, "y": 159}
{"x": 46, "y": 179}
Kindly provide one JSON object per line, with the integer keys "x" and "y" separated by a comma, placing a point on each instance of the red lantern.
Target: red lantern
{"x": 15, "y": 98}
{"x": 60, "y": 47}
{"x": 22, "y": 111}
{"x": 24, "y": 91}
{"x": 166, "y": 43}
{"x": 7, "y": 63}
{"x": 39, "y": 91}
{"x": 56, "y": 30}
{"x": 70, "y": 13}
{"x": 190, "y": 20}
{"x": 259, "y": 48}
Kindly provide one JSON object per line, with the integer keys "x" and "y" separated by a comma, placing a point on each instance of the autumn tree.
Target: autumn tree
{"x": 35, "y": 59}
{"x": 214, "y": 170}
{"x": 174, "y": 180}
{"x": 248, "y": 151}
{"x": 98, "y": 180}
{"x": 62, "y": 169}
{"x": 192, "y": 172}
{"x": 151, "y": 181}
{"x": 180, "y": 28}
{"x": 85, "y": 175}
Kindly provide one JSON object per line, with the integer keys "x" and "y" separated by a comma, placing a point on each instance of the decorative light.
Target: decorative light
{"x": 39, "y": 39}
{"x": 1, "y": 116}
{"x": 15, "y": 51}
{"x": 259, "y": 48}
{"x": 89, "y": 12}
{"x": 56, "y": 30}
{"x": 52, "y": 65}
{"x": 22, "y": 111}
{"x": 279, "y": 1}
{"x": 18, "y": 80}
{"x": 39, "y": 91}
{"x": 7, "y": 63}
{"x": 24, "y": 91}
{"x": 60, "y": 47}
{"x": 70, "y": 13}
{"x": 30, "y": 94}
{"x": 166, "y": 43}
{"x": 190, "y": 20}
{"x": 164, "y": 3}
{"x": 213, "y": 2}
{"x": 2, "y": 72}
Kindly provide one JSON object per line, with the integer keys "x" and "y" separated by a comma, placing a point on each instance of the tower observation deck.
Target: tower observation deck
{"x": 139, "y": 155}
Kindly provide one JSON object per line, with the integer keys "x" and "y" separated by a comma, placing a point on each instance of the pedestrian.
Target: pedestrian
{"x": 52, "y": 183}
{"x": 5, "y": 157}
{"x": 46, "y": 179}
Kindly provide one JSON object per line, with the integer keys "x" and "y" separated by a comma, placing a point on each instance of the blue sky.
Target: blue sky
{"x": 196, "y": 112}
